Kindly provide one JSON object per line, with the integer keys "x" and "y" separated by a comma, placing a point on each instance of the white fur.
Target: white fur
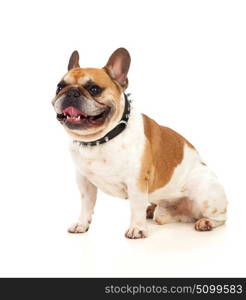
{"x": 197, "y": 182}
{"x": 114, "y": 168}
{"x": 110, "y": 166}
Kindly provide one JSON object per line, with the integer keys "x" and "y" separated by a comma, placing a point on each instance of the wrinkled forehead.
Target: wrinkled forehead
{"x": 79, "y": 76}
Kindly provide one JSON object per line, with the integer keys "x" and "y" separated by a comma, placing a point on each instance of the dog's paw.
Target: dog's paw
{"x": 78, "y": 228}
{"x": 204, "y": 224}
{"x": 136, "y": 232}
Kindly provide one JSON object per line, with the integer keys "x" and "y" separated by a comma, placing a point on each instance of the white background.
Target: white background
{"x": 188, "y": 72}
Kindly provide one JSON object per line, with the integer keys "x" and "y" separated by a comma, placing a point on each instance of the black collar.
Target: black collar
{"x": 114, "y": 132}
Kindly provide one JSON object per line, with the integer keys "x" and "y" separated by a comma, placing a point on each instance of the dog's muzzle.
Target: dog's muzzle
{"x": 78, "y": 112}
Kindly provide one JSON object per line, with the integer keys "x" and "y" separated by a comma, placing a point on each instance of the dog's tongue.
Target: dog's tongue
{"x": 72, "y": 111}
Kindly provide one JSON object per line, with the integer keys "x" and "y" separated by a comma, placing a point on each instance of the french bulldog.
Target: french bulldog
{"x": 128, "y": 155}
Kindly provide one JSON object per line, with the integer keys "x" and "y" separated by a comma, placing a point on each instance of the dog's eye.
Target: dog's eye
{"x": 60, "y": 86}
{"x": 94, "y": 89}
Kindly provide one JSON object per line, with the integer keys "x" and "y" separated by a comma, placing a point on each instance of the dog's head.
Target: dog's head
{"x": 88, "y": 101}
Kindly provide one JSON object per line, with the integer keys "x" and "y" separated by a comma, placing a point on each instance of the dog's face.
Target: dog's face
{"x": 88, "y": 101}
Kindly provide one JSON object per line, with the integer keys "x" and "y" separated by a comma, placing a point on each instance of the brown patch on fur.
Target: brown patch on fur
{"x": 150, "y": 211}
{"x": 163, "y": 152}
{"x": 214, "y": 211}
{"x": 203, "y": 163}
{"x": 80, "y": 76}
{"x": 99, "y": 76}
{"x": 205, "y": 204}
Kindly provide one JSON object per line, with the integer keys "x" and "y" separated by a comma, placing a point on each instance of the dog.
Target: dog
{"x": 128, "y": 155}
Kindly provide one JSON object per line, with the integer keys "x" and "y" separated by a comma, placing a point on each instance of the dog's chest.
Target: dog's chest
{"x": 108, "y": 169}
{"x": 116, "y": 164}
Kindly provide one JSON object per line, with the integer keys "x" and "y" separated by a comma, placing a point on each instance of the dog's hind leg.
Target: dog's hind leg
{"x": 171, "y": 214}
{"x": 209, "y": 199}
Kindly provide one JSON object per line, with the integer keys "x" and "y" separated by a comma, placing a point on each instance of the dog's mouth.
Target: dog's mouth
{"x": 72, "y": 115}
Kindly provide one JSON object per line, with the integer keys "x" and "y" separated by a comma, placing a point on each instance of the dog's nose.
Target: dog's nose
{"x": 73, "y": 93}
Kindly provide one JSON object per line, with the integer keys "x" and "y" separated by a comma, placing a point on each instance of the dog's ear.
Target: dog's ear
{"x": 73, "y": 61}
{"x": 118, "y": 65}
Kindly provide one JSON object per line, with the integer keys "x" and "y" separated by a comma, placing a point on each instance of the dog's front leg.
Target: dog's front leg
{"x": 138, "y": 204}
{"x": 88, "y": 194}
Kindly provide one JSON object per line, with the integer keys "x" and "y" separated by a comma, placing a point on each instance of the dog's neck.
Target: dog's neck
{"x": 122, "y": 124}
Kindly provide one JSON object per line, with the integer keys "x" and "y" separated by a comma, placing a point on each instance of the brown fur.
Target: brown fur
{"x": 150, "y": 211}
{"x": 99, "y": 76}
{"x": 118, "y": 65}
{"x": 163, "y": 152}
{"x": 74, "y": 60}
